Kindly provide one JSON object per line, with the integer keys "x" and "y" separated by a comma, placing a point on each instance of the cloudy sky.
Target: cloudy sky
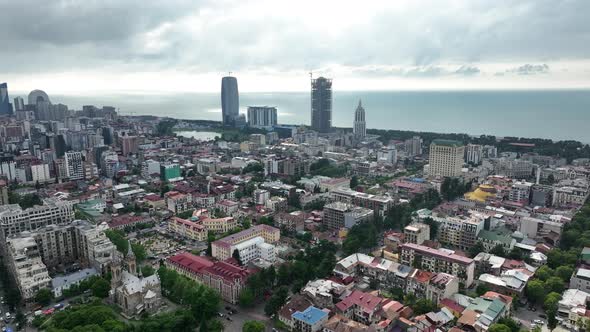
{"x": 86, "y": 46}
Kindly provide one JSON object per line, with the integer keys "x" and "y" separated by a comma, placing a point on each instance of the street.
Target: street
{"x": 238, "y": 319}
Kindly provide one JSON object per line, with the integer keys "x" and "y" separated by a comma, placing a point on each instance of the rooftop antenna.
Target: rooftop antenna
{"x": 230, "y": 73}
{"x": 311, "y": 75}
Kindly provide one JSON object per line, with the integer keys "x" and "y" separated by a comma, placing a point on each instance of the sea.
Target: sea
{"x": 553, "y": 114}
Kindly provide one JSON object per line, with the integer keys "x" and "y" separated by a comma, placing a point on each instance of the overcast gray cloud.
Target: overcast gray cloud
{"x": 413, "y": 39}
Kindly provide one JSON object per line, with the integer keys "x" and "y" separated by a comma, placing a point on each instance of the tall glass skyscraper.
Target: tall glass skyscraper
{"x": 5, "y": 105}
{"x": 230, "y": 100}
{"x": 321, "y": 105}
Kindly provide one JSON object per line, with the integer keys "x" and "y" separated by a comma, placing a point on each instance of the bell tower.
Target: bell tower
{"x": 130, "y": 260}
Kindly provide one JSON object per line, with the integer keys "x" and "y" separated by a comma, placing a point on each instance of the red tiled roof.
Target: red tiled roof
{"x": 191, "y": 262}
{"x": 451, "y": 305}
{"x": 366, "y": 301}
{"x": 125, "y": 220}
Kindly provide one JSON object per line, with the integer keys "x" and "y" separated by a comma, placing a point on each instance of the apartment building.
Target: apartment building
{"x": 379, "y": 204}
{"x": 222, "y": 249}
{"x": 187, "y": 229}
{"x": 26, "y": 267}
{"x": 177, "y": 202}
{"x": 255, "y": 249}
{"x": 338, "y": 215}
{"x": 437, "y": 260}
{"x": 13, "y": 219}
{"x": 460, "y": 232}
{"x": 417, "y": 233}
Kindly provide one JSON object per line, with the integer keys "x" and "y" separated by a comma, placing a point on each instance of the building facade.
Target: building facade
{"x": 321, "y": 104}
{"x": 446, "y": 158}
{"x": 262, "y": 116}
{"x": 359, "y": 126}
{"x": 230, "y": 100}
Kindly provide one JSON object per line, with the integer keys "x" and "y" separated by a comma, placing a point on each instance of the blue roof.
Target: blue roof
{"x": 310, "y": 316}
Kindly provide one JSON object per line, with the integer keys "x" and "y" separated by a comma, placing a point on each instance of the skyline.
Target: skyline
{"x": 188, "y": 46}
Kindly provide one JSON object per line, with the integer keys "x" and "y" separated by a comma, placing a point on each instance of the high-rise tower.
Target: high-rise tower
{"x": 321, "y": 104}
{"x": 230, "y": 100}
{"x": 5, "y": 105}
{"x": 360, "y": 126}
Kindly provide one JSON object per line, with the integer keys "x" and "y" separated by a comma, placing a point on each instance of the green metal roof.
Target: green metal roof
{"x": 447, "y": 142}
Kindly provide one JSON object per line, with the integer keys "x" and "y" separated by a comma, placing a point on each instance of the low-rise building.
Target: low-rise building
{"x": 177, "y": 202}
{"x": 226, "y": 278}
{"x": 310, "y": 320}
{"x": 581, "y": 280}
{"x": 437, "y": 260}
{"x": 338, "y": 215}
{"x": 222, "y": 249}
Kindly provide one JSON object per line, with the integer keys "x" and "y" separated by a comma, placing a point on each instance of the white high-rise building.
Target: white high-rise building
{"x": 360, "y": 126}
{"x": 40, "y": 173}
{"x": 262, "y": 116}
{"x": 473, "y": 154}
{"x": 446, "y": 158}
{"x": 74, "y": 165}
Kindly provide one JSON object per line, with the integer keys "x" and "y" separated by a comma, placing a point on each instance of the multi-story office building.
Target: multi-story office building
{"x": 262, "y": 116}
{"x": 446, "y": 158}
{"x": 286, "y": 166}
{"x": 222, "y": 248}
{"x": 435, "y": 260}
{"x": 416, "y": 233}
{"x": 26, "y": 267}
{"x": 13, "y": 219}
{"x": 74, "y": 165}
{"x": 230, "y": 100}
{"x": 379, "y": 204}
{"x": 321, "y": 105}
{"x": 387, "y": 155}
{"x": 261, "y": 196}
{"x": 339, "y": 214}
{"x": 150, "y": 167}
{"x": 359, "y": 126}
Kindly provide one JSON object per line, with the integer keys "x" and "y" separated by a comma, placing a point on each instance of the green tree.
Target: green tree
{"x": 551, "y": 319}
{"x": 253, "y": 326}
{"x": 544, "y": 272}
{"x": 499, "y": 328}
{"x": 498, "y": 250}
{"x": 564, "y": 272}
{"x": 511, "y": 323}
{"x": 276, "y": 301}
{"x": 535, "y": 291}
{"x": 424, "y": 306}
{"x": 101, "y": 288}
{"x": 433, "y": 227}
{"x": 139, "y": 252}
{"x": 354, "y": 182}
{"x": 551, "y": 301}
{"x": 481, "y": 289}
{"x": 476, "y": 249}
{"x": 554, "y": 284}
{"x": 147, "y": 270}
{"x": 43, "y": 296}
{"x": 246, "y": 298}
